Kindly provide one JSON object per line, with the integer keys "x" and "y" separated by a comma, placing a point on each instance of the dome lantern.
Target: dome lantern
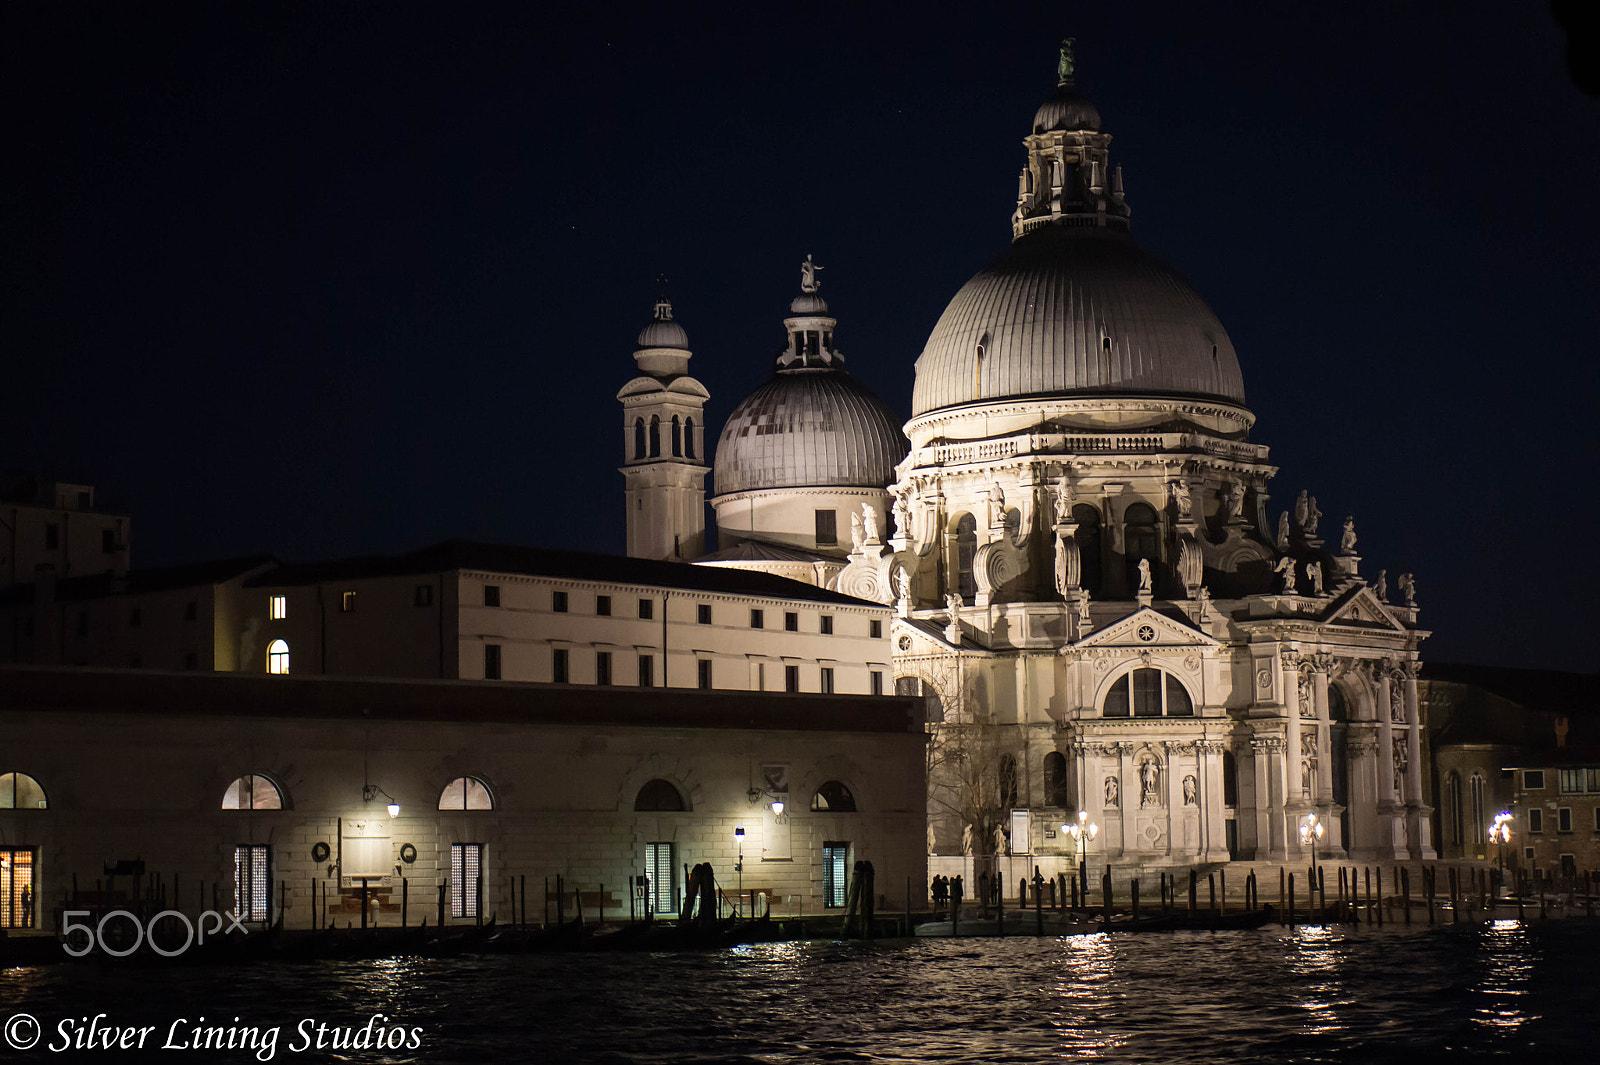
{"x": 1068, "y": 180}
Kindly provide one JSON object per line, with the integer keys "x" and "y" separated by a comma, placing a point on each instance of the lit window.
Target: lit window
{"x": 466, "y": 879}
{"x": 661, "y": 869}
{"x": 602, "y": 605}
{"x": 491, "y": 661}
{"x": 791, "y": 621}
{"x": 491, "y": 595}
{"x": 277, "y": 657}
{"x": 602, "y": 667}
{"x": 252, "y": 792}
{"x": 1572, "y": 781}
{"x": 19, "y": 791}
{"x": 278, "y": 607}
{"x": 252, "y": 882}
{"x": 347, "y": 602}
{"x": 466, "y": 793}
{"x": 827, "y": 624}
{"x": 18, "y": 887}
{"x": 827, "y": 680}
{"x": 835, "y": 873}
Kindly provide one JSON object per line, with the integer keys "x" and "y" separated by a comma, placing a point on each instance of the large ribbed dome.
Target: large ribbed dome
{"x": 1074, "y": 310}
{"x": 809, "y": 427}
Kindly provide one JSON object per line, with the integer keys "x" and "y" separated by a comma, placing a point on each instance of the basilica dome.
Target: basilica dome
{"x": 808, "y": 426}
{"x": 1071, "y": 310}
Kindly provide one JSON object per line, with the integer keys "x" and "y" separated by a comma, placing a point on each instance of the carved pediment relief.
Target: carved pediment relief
{"x": 1362, "y": 609}
{"x": 1147, "y": 630}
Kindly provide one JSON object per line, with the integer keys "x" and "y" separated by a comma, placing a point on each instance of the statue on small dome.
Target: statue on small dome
{"x": 808, "y": 275}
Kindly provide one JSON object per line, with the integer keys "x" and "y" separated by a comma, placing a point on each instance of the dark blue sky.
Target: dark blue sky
{"x": 336, "y": 278}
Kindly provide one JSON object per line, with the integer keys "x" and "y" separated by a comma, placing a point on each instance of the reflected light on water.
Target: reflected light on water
{"x": 1317, "y": 958}
{"x": 1508, "y": 960}
{"x": 1083, "y": 994}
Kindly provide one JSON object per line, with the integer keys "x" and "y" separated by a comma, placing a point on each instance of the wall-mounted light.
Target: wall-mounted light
{"x": 755, "y": 795}
{"x": 372, "y": 791}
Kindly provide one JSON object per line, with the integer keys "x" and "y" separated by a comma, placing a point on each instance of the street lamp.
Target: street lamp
{"x": 1311, "y": 831}
{"x": 1082, "y": 833}
{"x": 738, "y": 837}
{"x": 1500, "y": 832}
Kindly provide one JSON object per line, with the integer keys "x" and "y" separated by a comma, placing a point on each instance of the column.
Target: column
{"x": 1128, "y": 796}
{"x": 1213, "y": 833}
{"x": 1319, "y": 689}
{"x": 1268, "y": 751}
{"x": 1172, "y": 788}
{"x": 1369, "y": 830}
{"x": 1386, "y": 795}
{"x": 1419, "y": 816}
{"x": 1292, "y": 714}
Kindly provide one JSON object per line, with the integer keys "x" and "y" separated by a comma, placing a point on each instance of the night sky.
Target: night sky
{"x": 343, "y": 278}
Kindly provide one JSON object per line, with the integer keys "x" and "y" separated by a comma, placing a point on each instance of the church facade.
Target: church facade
{"x": 1075, "y": 537}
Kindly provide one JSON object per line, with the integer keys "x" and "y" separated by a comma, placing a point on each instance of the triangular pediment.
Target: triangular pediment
{"x": 1147, "y": 629}
{"x": 1359, "y": 608}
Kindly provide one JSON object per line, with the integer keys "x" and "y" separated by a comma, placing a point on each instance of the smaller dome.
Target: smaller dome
{"x": 1066, "y": 110}
{"x": 663, "y": 332}
{"x": 808, "y": 303}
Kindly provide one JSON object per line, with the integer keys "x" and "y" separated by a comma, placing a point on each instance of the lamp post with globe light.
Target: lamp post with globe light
{"x": 1500, "y": 833}
{"x": 1311, "y": 831}
{"x": 1082, "y": 832}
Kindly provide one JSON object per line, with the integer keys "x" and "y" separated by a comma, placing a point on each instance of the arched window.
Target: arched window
{"x": 1452, "y": 806}
{"x": 252, "y": 792}
{"x": 1008, "y": 782}
{"x": 1055, "y": 779}
{"x": 1479, "y": 832}
{"x": 659, "y": 796}
{"x": 966, "y": 550}
{"x": 277, "y": 657}
{"x": 834, "y": 798}
{"x": 19, "y": 791}
{"x": 688, "y": 437}
{"x": 1088, "y": 537}
{"x": 1141, "y": 535}
{"x": 1230, "y": 779}
{"x": 1148, "y": 693}
{"x": 466, "y": 793}
{"x": 638, "y": 438}
{"x": 655, "y": 436}
{"x": 677, "y": 437}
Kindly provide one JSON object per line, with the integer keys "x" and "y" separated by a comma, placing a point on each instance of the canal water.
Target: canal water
{"x": 1506, "y": 992}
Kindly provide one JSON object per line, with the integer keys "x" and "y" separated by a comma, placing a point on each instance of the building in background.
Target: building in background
{"x": 52, "y": 529}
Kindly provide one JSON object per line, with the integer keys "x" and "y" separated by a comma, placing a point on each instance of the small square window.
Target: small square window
{"x": 875, "y": 629}
{"x": 757, "y": 619}
{"x": 647, "y": 609}
{"x": 702, "y": 613}
{"x": 602, "y": 667}
{"x": 1533, "y": 779}
{"x": 191, "y": 610}
{"x": 877, "y": 682}
{"x": 347, "y": 602}
{"x": 1535, "y": 822}
{"x": 558, "y": 602}
{"x": 278, "y": 607}
{"x": 791, "y": 621}
{"x": 791, "y": 678}
{"x": 558, "y": 666}
{"x": 827, "y": 680}
{"x": 491, "y": 661}
{"x": 424, "y": 596}
{"x": 491, "y": 595}
{"x": 704, "y": 668}
{"x": 1527, "y": 852}
{"x": 135, "y": 618}
{"x": 602, "y": 605}
{"x": 827, "y": 624}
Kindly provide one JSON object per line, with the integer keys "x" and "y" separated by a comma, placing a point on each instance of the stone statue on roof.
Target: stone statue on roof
{"x": 1381, "y": 587}
{"x": 1408, "y": 589}
{"x": 1144, "y": 576}
{"x": 808, "y": 275}
{"x": 1285, "y": 569}
{"x": 1314, "y": 572}
{"x": 1283, "y": 531}
{"x": 1347, "y": 542}
{"x": 1312, "y": 518}
{"x": 869, "y": 522}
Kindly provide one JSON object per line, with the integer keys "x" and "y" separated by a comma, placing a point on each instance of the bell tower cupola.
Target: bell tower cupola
{"x": 663, "y": 431}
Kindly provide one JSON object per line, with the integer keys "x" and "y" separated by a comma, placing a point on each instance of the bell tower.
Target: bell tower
{"x": 663, "y": 439}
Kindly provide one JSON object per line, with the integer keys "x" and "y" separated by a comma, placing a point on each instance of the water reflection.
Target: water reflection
{"x": 1082, "y": 994}
{"x": 1502, "y": 993}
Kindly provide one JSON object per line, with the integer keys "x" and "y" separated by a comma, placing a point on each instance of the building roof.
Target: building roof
{"x": 142, "y": 691}
{"x": 809, "y": 426}
{"x": 752, "y": 550}
{"x": 1043, "y": 312}
{"x": 566, "y": 565}
{"x": 142, "y": 582}
{"x": 1554, "y": 714}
